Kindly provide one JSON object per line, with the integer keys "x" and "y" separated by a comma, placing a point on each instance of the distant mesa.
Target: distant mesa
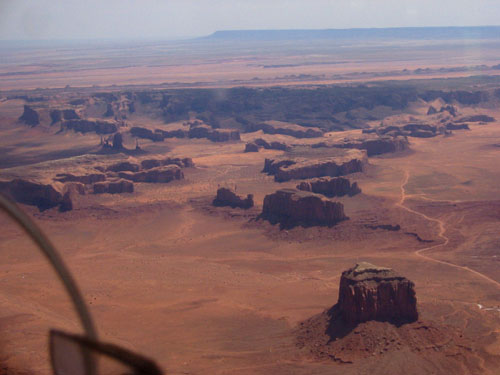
{"x": 215, "y": 135}
{"x": 43, "y": 196}
{"x": 331, "y": 187}
{"x": 259, "y": 143}
{"x": 251, "y": 147}
{"x": 477, "y": 118}
{"x": 30, "y": 116}
{"x": 155, "y": 175}
{"x": 227, "y": 197}
{"x": 58, "y": 115}
{"x": 197, "y": 130}
{"x": 84, "y": 179}
{"x": 452, "y": 126}
{"x": 87, "y": 126}
{"x": 374, "y": 145}
{"x": 278, "y": 127}
{"x": 113, "y": 187}
{"x": 293, "y": 169}
{"x": 291, "y": 207}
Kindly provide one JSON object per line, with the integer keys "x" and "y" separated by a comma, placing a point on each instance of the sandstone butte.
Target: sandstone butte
{"x": 226, "y": 197}
{"x": 368, "y": 292}
{"x": 330, "y": 187}
{"x": 291, "y": 207}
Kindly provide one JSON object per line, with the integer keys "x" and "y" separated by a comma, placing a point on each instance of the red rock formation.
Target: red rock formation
{"x": 368, "y": 292}
{"x": 226, "y": 197}
{"x": 179, "y": 133}
{"x": 86, "y": 126}
{"x": 113, "y": 187}
{"x": 30, "y": 116}
{"x": 139, "y": 132}
{"x": 118, "y": 141}
{"x": 431, "y": 111}
{"x": 330, "y": 187}
{"x": 291, "y": 207}
{"x": 31, "y": 193}
{"x": 215, "y": 135}
{"x": 251, "y": 147}
{"x": 85, "y": 179}
{"x": 153, "y": 163}
{"x": 158, "y": 174}
{"x": 477, "y": 118}
{"x": 124, "y": 166}
{"x": 293, "y": 130}
{"x": 373, "y": 146}
{"x": 331, "y": 167}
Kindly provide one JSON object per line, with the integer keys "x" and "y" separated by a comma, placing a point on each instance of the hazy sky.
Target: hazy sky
{"x": 67, "y": 19}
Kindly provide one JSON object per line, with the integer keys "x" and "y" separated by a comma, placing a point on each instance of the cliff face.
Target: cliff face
{"x": 330, "y": 187}
{"x": 87, "y": 126}
{"x": 373, "y": 146}
{"x": 290, "y": 207}
{"x": 113, "y": 187}
{"x": 226, "y": 197}
{"x": 32, "y": 193}
{"x": 159, "y": 174}
{"x": 368, "y": 292}
{"x": 215, "y": 135}
{"x": 331, "y": 167}
{"x": 276, "y": 127}
{"x": 30, "y": 116}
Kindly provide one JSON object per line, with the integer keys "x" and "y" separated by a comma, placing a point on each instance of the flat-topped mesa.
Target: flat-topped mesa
{"x": 291, "y": 207}
{"x": 43, "y": 196}
{"x": 331, "y": 187}
{"x": 215, "y": 135}
{"x": 226, "y": 197}
{"x": 113, "y": 187}
{"x": 87, "y": 126}
{"x": 301, "y": 169}
{"x": 159, "y": 174}
{"x": 373, "y": 146}
{"x": 368, "y": 292}
{"x": 278, "y": 127}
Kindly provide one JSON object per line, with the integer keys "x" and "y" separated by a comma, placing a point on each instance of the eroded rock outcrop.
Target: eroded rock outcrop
{"x": 124, "y": 166}
{"x": 369, "y": 292}
{"x": 84, "y": 179}
{"x": 139, "y": 132}
{"x": 301, "y": 169}
{"x": 227, "y": 197}
{"x": 251, "y": 147}
{"x": 153, "y": 163}
{"x": 331, "y": 187}
{"x": 43, "y": 196}
{"x": 87, "y": 126}
{"x": 477, "y": 118}
{"x": 30, "y": 116}
{"x": 113, "y": 187}
{"x": 276, "y": 127}
{"x": 215, "y": 135}
{"x": 294, "y": 207}
{"x": 159, "y": 174}
{"x": 373, "y": 146}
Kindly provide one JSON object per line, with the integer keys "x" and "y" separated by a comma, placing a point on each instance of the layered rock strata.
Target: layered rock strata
{"x": 291, "y": 207}
{"x": 369, "y": 292}
{"x": 331, "y": 187}
{"x": 226, "y": 197}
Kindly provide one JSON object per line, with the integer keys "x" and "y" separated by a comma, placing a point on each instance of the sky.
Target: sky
{"x": 174, "y": 19}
